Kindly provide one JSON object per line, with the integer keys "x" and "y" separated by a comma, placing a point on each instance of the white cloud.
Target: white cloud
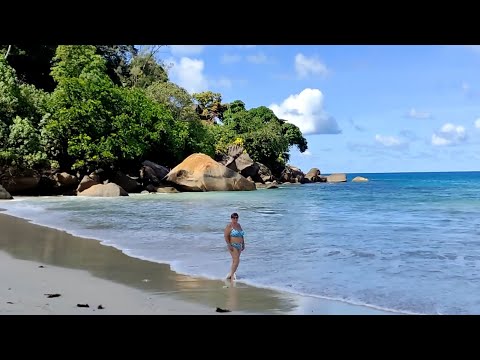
{"x": 259, "y": 58}
{"x": 188, "y": 73}
{"x": 230, "y": 59}
{"x": 306, "y": 153}
{"x": 439, "y": 141}
{"x": 305, "y": 110}
{"x": 180, "y": 50}
{"x": 477, "y": 123}
{"x": 246, "y": 46}
{"x": 305, "y": 66}
{"x": 415, "y": 114}
{"x": 389, "y": 141}
{"x": 449, "y": 134}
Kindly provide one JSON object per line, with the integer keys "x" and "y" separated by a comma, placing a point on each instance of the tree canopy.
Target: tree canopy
{"x": 81, "y": 107}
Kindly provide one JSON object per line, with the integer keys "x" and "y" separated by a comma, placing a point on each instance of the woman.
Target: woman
{"x": 236, "y": 244}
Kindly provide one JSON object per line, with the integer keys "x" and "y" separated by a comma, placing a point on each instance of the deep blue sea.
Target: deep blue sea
{"x": 408, "y": 242}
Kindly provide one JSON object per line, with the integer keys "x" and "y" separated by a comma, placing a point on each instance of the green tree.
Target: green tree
{"x": 81, "y": 107}
{"x": 145, "y": 69}
{"x": 21, "y": 109}
{"x": 142, "y": 129}
{"x": 266, "y": 144}
{"x": 3, "y": 135}
{"x": 294, "y": 136}
{"x": 94, "y": 123}
{"x": 197, "y": 138}
{"x": 79, "y": 61}
{"x": 223, "y": 136}
{"x": 23, "y": 145}
{"x": 175, "y": 98}
{"x": 267, "y": 139}
{"x": 33, "y": 62}
{"x": 33, "y": 103}
{"x": 210, "y": 106}
{"x": 117, "y": 59}
{"x": 18, "y": 99}
{"x": 9, "y": 92}
{"x": 192, "y": 135}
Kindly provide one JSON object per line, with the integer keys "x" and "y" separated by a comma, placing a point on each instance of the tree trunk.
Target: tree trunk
{"x": 8, "y": 51}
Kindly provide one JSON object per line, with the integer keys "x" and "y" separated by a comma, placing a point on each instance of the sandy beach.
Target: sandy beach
{"x": 31, "y": 288}
{"x": 37, "y": 262}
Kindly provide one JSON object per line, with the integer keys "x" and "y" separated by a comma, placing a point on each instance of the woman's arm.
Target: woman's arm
{"x": 226, "y": 235}
{"x": 243, "y": 243}
{"x": 243, "y": 240}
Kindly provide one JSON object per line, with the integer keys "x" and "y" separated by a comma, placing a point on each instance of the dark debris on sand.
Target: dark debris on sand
{"x": 220, "y": 310}
{"x": 52, "y": 295}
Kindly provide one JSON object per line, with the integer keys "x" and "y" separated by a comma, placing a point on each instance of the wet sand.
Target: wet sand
{"x": 37, "y": 260}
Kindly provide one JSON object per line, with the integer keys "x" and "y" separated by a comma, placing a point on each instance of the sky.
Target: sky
{"x": 362, "y": 109}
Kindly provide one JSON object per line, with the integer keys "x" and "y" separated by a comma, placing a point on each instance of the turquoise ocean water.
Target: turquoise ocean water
{"x": 408, "y": 242}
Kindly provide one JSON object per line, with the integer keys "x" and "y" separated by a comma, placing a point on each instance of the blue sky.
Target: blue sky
{"x": 361, "y": 108}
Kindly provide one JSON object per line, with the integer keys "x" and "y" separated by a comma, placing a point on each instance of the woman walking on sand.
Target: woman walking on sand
{"x": 234, "y": 237}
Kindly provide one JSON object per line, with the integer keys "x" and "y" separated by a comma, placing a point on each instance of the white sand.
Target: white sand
{"x": 23, "y": 285}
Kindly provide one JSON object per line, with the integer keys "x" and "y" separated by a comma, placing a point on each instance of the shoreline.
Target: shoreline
{"x": 124, "y": 284}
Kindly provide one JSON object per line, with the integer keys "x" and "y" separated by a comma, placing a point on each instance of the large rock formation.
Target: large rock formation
{"x": 4, "y": 194}
{"x": 22, "y": 184}
{"x": 152, "y": 173}
{"x": 104, "y": 190}
{"x": 292, "y": 174}
{"x": 334, "y": 178}
{"x": 238, "y": 160}
{"x": 233, "y": 152}
{"x": 65, "y": 179}
{"x": 359, "y": 179}
{"x": 313, "y": 175}
{"x": 128, "y": 183}
{"x": 65, "y": 183}
{"x": 199, "y": 172}
{"x": 264, "y": 174}
{"x": 87, "y": 182}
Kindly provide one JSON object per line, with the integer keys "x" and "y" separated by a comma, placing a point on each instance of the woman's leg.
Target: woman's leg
{"x": 235, "y": 261}
{"x": 230, "y": 250}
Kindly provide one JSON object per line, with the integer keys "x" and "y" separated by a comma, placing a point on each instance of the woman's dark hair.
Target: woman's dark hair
{"x": 234, "y": 215}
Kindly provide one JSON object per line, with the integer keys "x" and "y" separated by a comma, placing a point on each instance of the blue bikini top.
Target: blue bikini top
{"x": 237, "y": 233}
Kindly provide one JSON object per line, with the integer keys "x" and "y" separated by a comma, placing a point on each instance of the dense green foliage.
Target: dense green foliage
{"x": 117, "y": 59}
{"x": 9, "y": 93}
{"x": 21, "y": 109}
{"x": 266, "y": 138}
{"x": 210, "y": 106}
{"x": 111, "y": 106}
{"x": 178, "y": 100}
